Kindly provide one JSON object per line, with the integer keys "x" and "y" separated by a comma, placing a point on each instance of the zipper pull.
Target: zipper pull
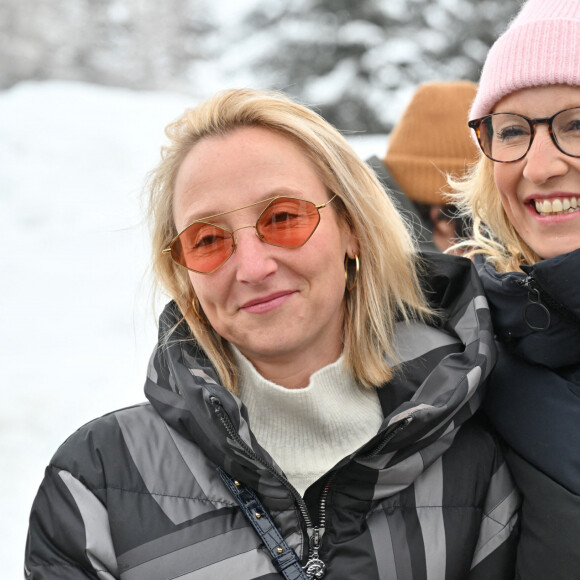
{"x": 315, "y": 568}
{"x": 536, "y": 315}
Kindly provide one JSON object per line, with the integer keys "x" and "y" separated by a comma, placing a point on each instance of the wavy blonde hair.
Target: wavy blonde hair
{"x": 476, "y": 196}
{"x": 387, "y": 285}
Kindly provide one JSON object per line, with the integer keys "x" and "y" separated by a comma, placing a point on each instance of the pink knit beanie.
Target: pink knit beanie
{"x": 540, "y": 47}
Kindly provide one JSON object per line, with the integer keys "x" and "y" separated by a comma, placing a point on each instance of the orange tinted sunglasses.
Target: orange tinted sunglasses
{"x": 286, "y": 222}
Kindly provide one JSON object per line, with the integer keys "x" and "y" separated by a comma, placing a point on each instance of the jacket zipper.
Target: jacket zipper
{"x": 315, "y": 568}
{"x": 388, "y": 437}
{"x": 233, "y": 434}
{"x": 537, "y": 296}
{"x": 314, "y": 534}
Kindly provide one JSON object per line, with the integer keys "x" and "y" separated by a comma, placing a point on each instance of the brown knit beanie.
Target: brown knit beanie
{"x": 432, "y": 139}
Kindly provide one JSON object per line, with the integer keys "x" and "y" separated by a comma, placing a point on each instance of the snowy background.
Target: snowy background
{"x": 78, "y": 321}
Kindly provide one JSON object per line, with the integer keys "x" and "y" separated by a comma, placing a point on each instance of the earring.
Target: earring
{"x": 351, "y": 284}
{"x": 197, "y": 310}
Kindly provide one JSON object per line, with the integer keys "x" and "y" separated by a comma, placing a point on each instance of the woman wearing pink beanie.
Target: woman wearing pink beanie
{"x": 524, "y": 196}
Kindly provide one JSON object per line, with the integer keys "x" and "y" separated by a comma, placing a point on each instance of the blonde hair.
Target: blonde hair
{"x": 387, "y": 285}
{"x": 476, "y": 196}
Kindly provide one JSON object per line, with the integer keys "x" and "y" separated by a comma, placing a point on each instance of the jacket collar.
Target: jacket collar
{"x": 538, "y": 323}
{"x": 437, "y": 386}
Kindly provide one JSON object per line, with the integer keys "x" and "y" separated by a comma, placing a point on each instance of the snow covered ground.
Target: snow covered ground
{"x": 78, "y": 322}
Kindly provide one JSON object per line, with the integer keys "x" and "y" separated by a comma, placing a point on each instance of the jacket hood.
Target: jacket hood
{"x": 437, "y": 386}
{"x": 539, "y": 323}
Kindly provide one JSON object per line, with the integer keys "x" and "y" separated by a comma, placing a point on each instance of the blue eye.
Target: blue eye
{"x": 512, "y": 132}
{"x": 572, "y": 127}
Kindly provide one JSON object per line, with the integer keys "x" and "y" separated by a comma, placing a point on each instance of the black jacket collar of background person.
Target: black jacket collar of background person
{"x": 408, "y": 209}
{"x": 555, "y": 283}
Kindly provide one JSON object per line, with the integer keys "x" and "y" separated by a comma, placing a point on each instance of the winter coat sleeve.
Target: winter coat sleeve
{"x": 69, "y": 536}
{"x": 495, "y": 552}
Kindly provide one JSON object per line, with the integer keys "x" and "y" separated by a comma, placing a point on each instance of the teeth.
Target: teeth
{"x": 556, "y": 205}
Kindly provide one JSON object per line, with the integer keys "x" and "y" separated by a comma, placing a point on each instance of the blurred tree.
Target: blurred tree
{"x": 133, "y": 43}
{"x": 353, "y": 58}
{"x": 357, "y": 60}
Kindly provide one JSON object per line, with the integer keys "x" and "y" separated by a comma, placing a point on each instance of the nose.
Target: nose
{"x": 253, "y": 258}
{"x": 544, "y": 160}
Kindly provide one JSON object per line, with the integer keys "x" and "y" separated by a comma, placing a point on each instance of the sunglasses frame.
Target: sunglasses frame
{"x": 475, "y": 124}
{"x": 269, "y": 201}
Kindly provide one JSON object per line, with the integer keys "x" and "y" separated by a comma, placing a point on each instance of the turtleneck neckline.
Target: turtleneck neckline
{"x": 307, "y": 431}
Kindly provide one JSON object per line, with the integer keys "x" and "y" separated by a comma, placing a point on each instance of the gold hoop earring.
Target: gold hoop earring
{"x": 351, "y": 284}
{"x": 197, "y": 311}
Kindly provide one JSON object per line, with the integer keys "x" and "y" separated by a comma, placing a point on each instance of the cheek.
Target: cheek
{"x": 330, "y": 273}
{"x": 500, "y": 177}
{"x": 200, "y": 285}
{"x": 506, "y": 177}
{"x": 212, "y": 296}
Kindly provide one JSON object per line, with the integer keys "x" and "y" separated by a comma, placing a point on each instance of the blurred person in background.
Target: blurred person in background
{"x": 524, "y": 197}
{"x": 312, "y": 396}
{"x": 430, "y": 141}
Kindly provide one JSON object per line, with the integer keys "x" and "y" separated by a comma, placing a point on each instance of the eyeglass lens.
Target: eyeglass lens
{"x": 507, "y": 137}
{"x": 285, "y": 222}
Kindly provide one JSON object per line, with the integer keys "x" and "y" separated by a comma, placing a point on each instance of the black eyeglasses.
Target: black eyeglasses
{"x": 507, "y": 137}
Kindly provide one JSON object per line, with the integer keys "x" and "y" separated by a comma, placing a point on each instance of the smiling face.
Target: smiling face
{"x": 278, "y": 306}
{"x": 541, "y": 193}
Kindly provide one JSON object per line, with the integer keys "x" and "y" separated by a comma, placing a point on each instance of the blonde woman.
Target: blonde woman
{"x": 311, "y": 398}
{"x": 524, "y": 195}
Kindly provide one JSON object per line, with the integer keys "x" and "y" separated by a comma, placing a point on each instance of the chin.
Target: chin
{"x": 556, "y": 250}
{"x": 263, "y": 349}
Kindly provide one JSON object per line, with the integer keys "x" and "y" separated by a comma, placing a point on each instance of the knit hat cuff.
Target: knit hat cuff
{"x": 543, "y": 52}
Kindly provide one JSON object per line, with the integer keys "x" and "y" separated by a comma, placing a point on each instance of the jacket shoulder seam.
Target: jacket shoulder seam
{"x": 43, "y": 564}
{"x": 146, "y": 492}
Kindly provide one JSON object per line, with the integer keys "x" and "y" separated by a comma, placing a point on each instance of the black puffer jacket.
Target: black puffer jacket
{"x": 534, "y": 401}
{"x": 136, "y": 494}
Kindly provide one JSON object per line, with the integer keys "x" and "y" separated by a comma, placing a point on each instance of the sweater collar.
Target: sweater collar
{"x": 307, "y": 431}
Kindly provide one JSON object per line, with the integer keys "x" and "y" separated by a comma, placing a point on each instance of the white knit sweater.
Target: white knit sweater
{"x": 307, "y": 431}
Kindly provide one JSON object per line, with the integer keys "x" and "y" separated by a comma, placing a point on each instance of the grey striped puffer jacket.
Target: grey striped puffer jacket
{"x": 136, "y": 494}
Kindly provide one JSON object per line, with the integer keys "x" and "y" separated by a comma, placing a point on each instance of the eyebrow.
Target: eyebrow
{"x": 191, "y": 219}
{"x": 277, "y": 192}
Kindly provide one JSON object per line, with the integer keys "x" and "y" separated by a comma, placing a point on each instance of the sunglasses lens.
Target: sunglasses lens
{"x": 288, "y": 222}
{"x": 202, "y": 247}
{"x": 285, "y": 222}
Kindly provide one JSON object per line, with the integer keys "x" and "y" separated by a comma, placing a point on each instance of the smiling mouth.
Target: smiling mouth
{"x": 266, "y": 301}
{"x": 557, "y": 205}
